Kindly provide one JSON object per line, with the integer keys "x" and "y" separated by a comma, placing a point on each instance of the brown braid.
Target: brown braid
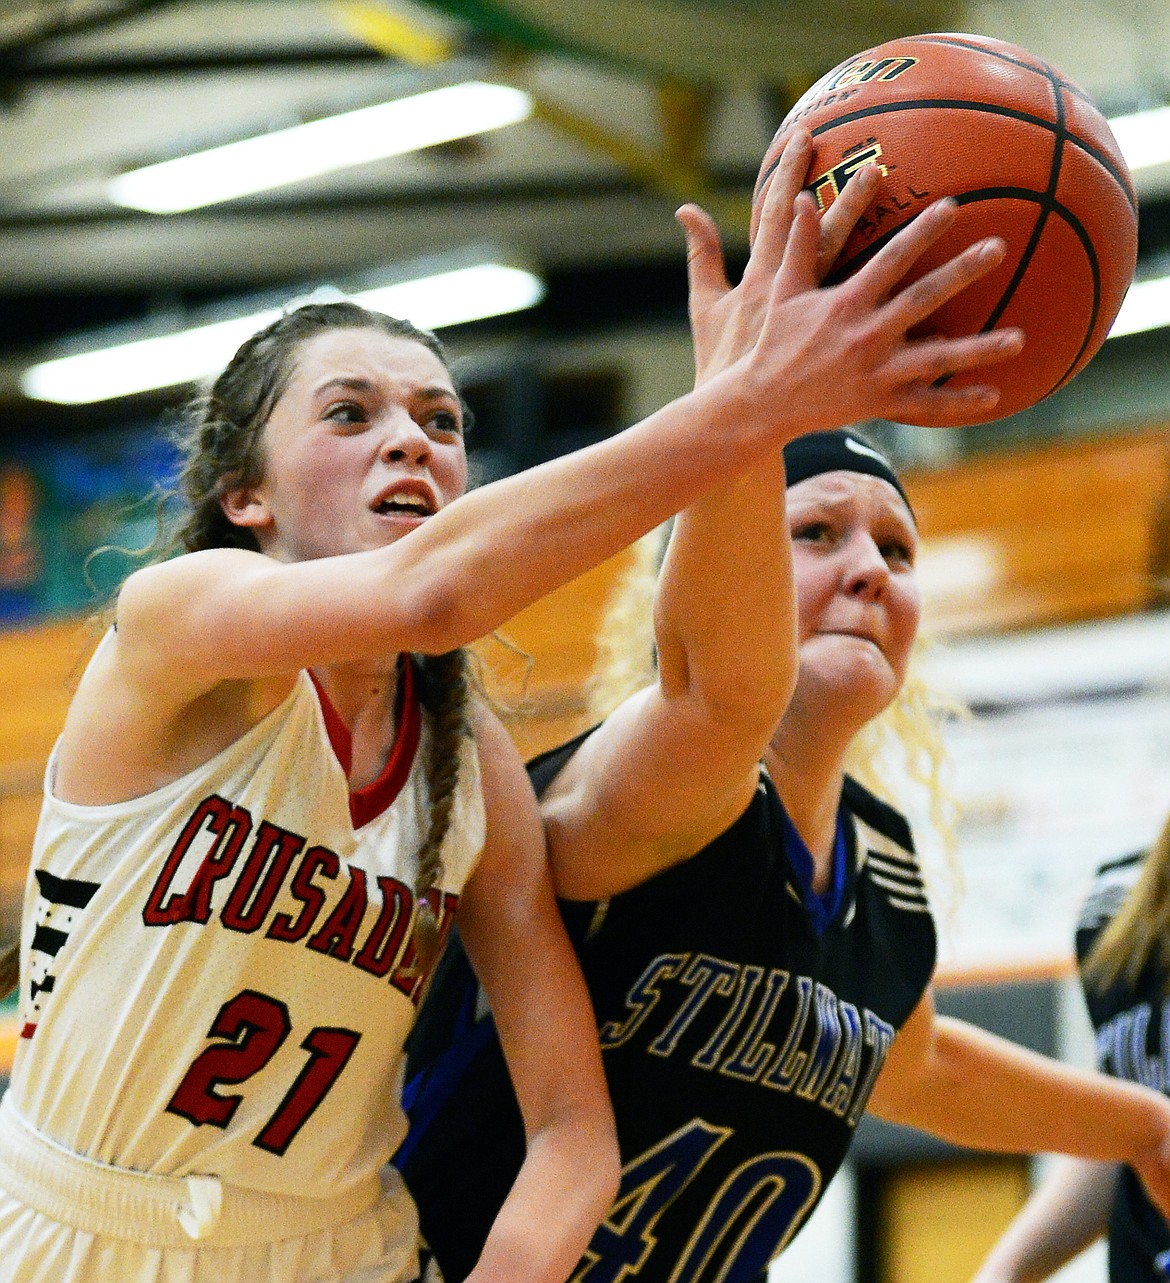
{"x": 222, "y": 448}
{"x": 445, "y": 694}
{"x": 9, "y": 970}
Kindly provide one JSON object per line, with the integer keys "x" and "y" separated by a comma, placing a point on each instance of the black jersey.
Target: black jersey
{"x": 1132, "y": 1022}
{"x": 741, "y": 1036}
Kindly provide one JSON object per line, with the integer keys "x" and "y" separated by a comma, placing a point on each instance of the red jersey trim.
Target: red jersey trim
{"x": 368, "y": 802}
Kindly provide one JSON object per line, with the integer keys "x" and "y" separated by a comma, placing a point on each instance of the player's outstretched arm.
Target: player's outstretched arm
{"x": 676, "y": 764}
{"x": 822, "y": 357}
{"x": 1066, "y": 1214}
{"x": 517, "y": 944}
{"x": 973, "y": 1088}
{"x": 679, "y": 762}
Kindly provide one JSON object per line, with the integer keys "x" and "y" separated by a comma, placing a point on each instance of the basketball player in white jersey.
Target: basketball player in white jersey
{"x": 273, "y": 788}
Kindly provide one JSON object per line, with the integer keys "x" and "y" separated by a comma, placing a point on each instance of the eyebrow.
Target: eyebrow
{"x": 438, "y": 393}
{"x": 359, "y": 383}
{"x": 894, "y": 508}
{"x": 352, "y": 383}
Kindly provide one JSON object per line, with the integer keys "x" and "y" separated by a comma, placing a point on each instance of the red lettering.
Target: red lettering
{"x": 230, "y": 825}
{"x": 253, "y": 1027}
{"x": 216, "y": 866}
{"x": 237, "y": 914}
{"x": 385, "y": 939}
{"x": 337, "y": 936}
{"x": 316, "y": 859}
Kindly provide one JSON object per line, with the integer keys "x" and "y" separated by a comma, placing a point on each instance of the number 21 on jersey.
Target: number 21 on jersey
{"x": 253, "y": 1027}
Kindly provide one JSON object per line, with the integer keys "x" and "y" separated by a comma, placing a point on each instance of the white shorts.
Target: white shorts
{"x": 67, "y": 1219}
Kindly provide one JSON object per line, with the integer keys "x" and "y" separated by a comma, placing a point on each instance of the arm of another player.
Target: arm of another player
{"x": 822, "y": 358}
{"x": 972, "y": 1088}
{"x": 517, "y": 944}
{"x": 679, "y": 761}
{"x": 676, "y": 765}
{"x": 1066, "y": 1213}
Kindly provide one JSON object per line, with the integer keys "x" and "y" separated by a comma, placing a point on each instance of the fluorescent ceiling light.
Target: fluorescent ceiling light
{"x": 452, "y": 298}
{"x": 447, "y": 298}
{"x": 1144, "y": 137}
{"x": 304, "y": 151}
{"x": 1146, "y": 307}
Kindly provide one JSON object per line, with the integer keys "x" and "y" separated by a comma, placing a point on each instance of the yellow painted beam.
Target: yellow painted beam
{"x": 685, "y": 109}
{"x": 392, "y": 34}
{"x": 676, "y": 170}
{"x": 679, "y": 177}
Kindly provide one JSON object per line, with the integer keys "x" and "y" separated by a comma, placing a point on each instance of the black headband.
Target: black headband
{"x": 838, "y": 451}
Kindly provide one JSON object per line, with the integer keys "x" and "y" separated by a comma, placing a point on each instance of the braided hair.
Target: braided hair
{"x": 444, "y": 692}
{"x": 223, "y": 448}
{"x": 221, "y": 443}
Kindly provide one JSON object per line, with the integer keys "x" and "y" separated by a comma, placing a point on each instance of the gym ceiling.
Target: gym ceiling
{"x": 638, "y": 105}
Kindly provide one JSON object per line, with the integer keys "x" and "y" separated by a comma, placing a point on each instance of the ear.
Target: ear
{"x": 246, "y": 506}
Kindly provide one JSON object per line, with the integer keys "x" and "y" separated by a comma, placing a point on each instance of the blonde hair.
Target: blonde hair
{"x": 626, "y": 659}
{"x": 904, "y": 742}
{"x": 1140, "y": 933}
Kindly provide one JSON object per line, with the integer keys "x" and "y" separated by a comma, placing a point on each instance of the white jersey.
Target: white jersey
{"x": 217, "y": 977}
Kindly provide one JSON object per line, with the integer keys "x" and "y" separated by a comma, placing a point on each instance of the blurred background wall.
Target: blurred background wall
{"x": 1046, "y": 556}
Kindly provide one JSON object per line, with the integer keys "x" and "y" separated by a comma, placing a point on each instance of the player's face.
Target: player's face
{"x": 854, "y": 548}
{"x": 363, "y": 446}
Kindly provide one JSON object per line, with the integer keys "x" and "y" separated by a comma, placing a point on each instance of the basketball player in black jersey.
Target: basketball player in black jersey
{"x": 750, "y": 920}
{"x": 1123, "y": 951}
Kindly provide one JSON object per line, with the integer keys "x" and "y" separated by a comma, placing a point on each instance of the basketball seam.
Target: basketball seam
{"x": 1045, "y": 209}
{"x": 951, "y": 42}
{"x": 840, "y": 272}
{"x": 1050, "y": 71}
{"x": 1095, "y": 269}
{"x": 962, "y": 104}
{"x": 956, "y": 42}
{"x": 1066, "y": 112}
{"x": 1048, "y": 206}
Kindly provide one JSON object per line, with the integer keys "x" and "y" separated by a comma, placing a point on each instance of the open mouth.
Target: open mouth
{"x": 404, "y": 503}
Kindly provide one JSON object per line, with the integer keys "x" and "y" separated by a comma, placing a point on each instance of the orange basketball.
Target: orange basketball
{"x": 1027, "y": 157}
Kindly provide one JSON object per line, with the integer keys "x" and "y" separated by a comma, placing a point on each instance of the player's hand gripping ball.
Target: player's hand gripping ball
{"x": 1026, "y": 156}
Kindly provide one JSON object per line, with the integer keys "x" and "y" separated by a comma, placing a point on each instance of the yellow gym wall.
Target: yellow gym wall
{"x": 937, "y": 1221}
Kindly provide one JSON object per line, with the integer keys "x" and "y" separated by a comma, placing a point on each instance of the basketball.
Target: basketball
{"x": 1026, "y": 156}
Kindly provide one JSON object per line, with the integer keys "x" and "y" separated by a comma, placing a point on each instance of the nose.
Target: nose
{"x": 403, "y": 440}
{"x": 866, "y": 571}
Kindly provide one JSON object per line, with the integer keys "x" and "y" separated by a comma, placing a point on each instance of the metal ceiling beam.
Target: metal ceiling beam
{"x": 36, "y": 68}
{"x": 58, "y": 23}
{"x": 721, "y": 186}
